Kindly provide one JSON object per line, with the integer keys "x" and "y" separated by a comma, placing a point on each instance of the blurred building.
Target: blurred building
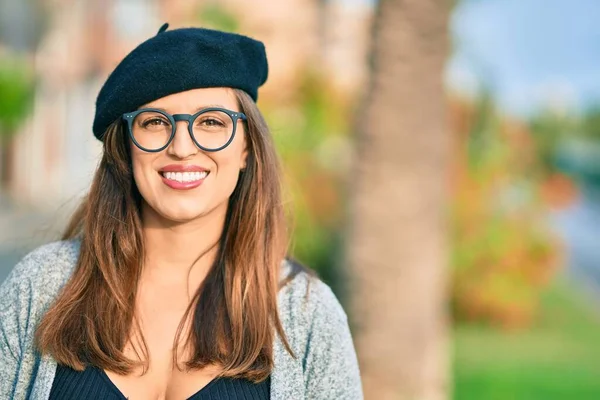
{"x": 347, "y": 26}
{"x": 54, "y": 154}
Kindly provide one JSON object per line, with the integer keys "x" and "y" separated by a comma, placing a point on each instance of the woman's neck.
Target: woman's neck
{"x": 181, "y": 251}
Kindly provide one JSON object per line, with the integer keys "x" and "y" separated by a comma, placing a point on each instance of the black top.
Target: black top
{"x": 93, "y": 383}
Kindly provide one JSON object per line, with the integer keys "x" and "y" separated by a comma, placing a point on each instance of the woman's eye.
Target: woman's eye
{"x": 155, "y": 122}
{"x": 212, "y": 122}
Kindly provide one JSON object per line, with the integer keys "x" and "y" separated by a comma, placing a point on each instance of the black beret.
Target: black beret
{"x": 176, "y": 61}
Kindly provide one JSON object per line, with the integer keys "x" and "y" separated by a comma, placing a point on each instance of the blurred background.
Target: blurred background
{"x": 510, "y": 88}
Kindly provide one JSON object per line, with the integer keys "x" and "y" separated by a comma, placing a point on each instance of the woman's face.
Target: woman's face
{"x": 211, "y": 176}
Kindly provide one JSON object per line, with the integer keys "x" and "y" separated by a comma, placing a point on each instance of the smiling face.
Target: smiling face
{"x": 182, "y": 182}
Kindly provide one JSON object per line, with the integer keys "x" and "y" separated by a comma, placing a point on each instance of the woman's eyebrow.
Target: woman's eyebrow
{"x": 209, "y": 106}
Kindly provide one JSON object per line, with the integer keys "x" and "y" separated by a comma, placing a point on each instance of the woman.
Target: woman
{"x": 171, "y": 280}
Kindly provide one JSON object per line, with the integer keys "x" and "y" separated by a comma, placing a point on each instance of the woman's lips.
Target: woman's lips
{"x": 183, "y": 180}
{"x": 183, "y": 168}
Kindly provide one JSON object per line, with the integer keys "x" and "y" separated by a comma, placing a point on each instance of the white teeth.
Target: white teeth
{"x": 185, "y": 176}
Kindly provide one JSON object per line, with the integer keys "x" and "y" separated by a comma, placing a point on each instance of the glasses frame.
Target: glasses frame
{"x": 190, "y": 118}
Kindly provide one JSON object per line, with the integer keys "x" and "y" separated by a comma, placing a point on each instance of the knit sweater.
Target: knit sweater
{"x": 313, "y": 320}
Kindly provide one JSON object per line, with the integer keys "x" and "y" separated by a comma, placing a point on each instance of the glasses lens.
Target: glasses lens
{"x": 213, "y": 129}
{"x": 151, "y": 130}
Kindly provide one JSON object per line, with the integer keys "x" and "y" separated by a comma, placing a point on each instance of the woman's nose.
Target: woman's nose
{"x": 182, "y": 145}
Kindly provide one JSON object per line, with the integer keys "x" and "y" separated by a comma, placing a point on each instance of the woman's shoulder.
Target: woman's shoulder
{"x": 53, "y": 260}
{"x": 42, "y": 272}
{"x": 304, "y": 286}
{"x": 27, "y": 292}
{"x": 317, "y": 329}
{"x": 306, "y": 302}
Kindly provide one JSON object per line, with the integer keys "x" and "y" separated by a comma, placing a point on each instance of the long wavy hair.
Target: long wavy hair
{"x": 233, "y": 314}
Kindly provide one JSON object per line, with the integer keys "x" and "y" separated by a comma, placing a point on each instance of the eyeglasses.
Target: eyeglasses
{"x": 211, "y": 129}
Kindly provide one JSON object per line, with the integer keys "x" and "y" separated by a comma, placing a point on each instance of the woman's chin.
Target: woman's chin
{"x": 182, "y": 212}
{"x": 173, "y": 213}
{"x": 182, "y": 215}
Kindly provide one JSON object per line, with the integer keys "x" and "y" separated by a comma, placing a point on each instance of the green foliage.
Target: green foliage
{"x": 569, "y": 144}
{"x": 589, "y": 125}
{"x": 548, "y": 129}
{"x": 502, "y": 253}
{"x": 16, "y": 94}
{"x": 480, "y": 135}
{"x": 215, "y": 16}
{"x": 556, "y": 359}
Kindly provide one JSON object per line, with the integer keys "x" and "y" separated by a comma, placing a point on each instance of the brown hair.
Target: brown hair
{"x": 234, "y": 311}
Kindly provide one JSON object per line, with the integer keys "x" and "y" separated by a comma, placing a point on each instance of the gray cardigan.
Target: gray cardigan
{"x": 316, "y": 327}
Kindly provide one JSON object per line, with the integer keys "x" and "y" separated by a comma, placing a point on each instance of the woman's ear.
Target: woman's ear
{"x": 244, "y": 155}
{"x": 244, "y": 158}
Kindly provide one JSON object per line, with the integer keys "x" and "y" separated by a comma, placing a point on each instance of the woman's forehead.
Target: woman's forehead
{"x": 194, "y": 99}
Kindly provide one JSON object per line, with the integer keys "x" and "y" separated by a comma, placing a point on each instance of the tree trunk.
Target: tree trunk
{"x": 397, "y": 244}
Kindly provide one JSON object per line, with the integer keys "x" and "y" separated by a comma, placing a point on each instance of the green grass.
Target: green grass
{"x": 558, "y": 358}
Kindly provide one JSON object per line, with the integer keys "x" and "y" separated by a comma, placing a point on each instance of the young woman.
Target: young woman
{"x": 171, "y": 280}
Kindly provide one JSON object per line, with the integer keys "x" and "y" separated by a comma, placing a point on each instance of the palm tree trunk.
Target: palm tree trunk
{"x": 397, "y": 245}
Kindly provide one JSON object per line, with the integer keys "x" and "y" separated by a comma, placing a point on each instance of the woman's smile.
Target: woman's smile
{"x": 183, "y": 177}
